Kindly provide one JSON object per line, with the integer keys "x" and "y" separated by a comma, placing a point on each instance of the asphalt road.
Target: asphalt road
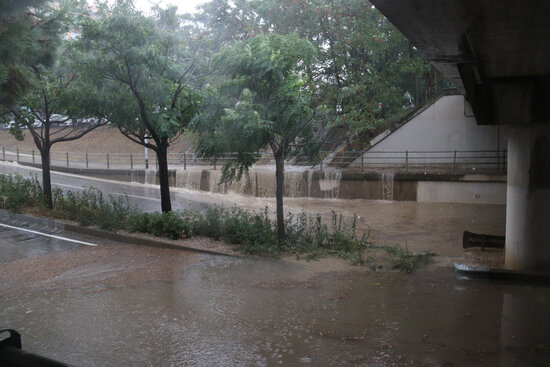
{"x": 23, "y": 237}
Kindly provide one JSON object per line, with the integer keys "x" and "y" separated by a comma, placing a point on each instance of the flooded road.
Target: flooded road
{"x": 122, "y": 305}
{"x": 435, "y": 227}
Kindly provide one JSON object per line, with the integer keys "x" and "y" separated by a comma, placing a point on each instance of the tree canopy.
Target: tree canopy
{"x": 366, "y": 71}
{"x": 139, "y": 74}
{"x": 28, "y": 36}
{"x": 269, "y": 103}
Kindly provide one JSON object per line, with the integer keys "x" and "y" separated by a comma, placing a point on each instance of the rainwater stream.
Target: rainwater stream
{"x": 198, "y": 310}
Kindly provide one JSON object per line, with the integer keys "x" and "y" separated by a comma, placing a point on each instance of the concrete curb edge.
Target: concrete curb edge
{"x": 135, "y": 240}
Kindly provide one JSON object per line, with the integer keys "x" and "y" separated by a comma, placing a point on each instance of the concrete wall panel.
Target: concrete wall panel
{"x": 446, "y": 125}
{"x": 462, "y": 192}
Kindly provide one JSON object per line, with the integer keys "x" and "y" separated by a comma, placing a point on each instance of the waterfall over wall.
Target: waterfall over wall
{"x": 261, "y": 182}
{"x": 387, "y": 180}
{"x": 151, "y": 177}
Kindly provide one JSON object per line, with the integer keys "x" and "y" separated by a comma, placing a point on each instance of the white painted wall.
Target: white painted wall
{"x": 446, "y": 125}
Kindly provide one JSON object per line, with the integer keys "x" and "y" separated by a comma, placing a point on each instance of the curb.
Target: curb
{"x": 111, "y": 236}
{"x": 135, "y": 240}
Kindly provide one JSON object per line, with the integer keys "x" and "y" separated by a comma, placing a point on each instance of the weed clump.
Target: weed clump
{"x": 403, "y": 259}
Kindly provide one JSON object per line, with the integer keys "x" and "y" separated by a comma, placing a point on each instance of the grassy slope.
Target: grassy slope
{"x": 101, "y": 140}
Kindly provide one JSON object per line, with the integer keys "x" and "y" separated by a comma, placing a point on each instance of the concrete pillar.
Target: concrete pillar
{"x": 528, "y": 198}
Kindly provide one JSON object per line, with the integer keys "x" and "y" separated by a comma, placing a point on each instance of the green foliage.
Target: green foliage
{"x": 90, "y": 208}
{"x": 31, "y": 31}
{"x": 362, "y": 59}
{"x": 266, "y": 103}
{"x": 168, "y": 224}
{"x": 137, "y": 72}
{"x": 306, "y": 234}
{"x": 403, "y": 259}
{"x": 17, "y": 192}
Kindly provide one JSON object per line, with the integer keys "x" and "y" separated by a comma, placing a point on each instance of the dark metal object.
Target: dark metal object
{"x": 470, "y": 239}
{"x": 11, "y": 354}
{"x": 505, "y": 275}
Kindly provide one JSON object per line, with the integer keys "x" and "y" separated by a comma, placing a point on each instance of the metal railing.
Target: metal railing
{"x": 449, "y": 160}
{"x": 491, "y": 160}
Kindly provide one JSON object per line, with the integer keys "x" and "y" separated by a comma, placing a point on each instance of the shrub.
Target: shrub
{"x": 17, "y": 192}
{"x": 166, "y": 224}
{"x": 90, "y": 208}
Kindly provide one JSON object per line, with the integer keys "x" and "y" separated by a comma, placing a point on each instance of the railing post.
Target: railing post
{"x": 33, "y": 156}
{"x": 214, "y": 164}
{"x": 131, "y": 161}
{"x": 157, "y": 162}
{"x": 17, "y": 150}
{"x": 184, "y": 161}
{"x": 321, "y": 166}
{"x": 4, "y": 152}
{"x": 86, "y": 160}
{"x": 108, "y": 161}
{"x": 407, "y": 160}
{"x": 67, "y": 155}
{"x": 454, "y": 161}
{"x": 362, "y": 161}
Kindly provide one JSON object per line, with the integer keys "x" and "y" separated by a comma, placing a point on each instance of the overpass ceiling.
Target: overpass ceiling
{"x": 496, "y": 51}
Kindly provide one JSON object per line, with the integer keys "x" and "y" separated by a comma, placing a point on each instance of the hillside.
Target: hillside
{"x": 101, "y": 140}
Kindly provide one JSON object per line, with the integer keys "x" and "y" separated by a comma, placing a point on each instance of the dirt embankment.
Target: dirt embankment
{"x": 102, "y": 140}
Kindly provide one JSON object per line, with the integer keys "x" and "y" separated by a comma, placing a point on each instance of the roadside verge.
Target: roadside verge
{"x": 196, "y": 244}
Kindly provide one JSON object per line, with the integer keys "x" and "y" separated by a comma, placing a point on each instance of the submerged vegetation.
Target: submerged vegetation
{"x": 250, "y": 232}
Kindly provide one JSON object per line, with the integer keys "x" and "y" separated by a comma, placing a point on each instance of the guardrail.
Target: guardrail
{"x": 489, "y": 160}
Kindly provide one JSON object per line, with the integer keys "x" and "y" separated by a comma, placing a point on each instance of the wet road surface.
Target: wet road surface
{"x": 123, "y": 305}
{"x": 25, "y": 237}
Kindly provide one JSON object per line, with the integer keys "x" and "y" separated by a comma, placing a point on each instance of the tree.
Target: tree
{"x": 50, "y": 86}
{"x": 20, "y": 46}
{"x": 269, "y": 107}
{"x": 365, "y": 68}
{"x": 363, "y": 60}
{"x": 138, "y": 72}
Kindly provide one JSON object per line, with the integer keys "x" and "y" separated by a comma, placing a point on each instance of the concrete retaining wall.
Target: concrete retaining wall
{"x": 435, "y": 187}
{"x": 446, "y": 125}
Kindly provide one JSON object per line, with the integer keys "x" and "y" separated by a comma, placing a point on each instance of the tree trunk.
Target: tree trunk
{"x": 411, "y": 56}
{"x": 46, "y": 178}
{"x": 279, "y": 192}
{"x": 162, "y": 156}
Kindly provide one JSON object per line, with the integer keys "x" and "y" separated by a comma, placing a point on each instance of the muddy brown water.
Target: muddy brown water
{"x": 121, "y": 305}
{"x": 436, "y": 227}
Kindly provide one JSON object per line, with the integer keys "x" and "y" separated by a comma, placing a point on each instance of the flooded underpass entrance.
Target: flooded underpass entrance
{"x": 122, "y": 305}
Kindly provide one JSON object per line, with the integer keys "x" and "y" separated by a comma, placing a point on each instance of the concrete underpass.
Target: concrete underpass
{"x": 497, "y": 54}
